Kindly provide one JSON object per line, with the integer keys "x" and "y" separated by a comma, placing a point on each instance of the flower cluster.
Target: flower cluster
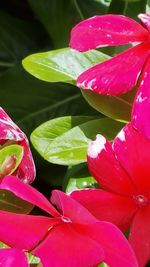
{"x": 121, "y": 168}
{"x": 85, "y": 228}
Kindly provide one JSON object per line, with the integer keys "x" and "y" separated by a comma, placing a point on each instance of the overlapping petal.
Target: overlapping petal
{"x": 106, "y": 30}
{"x": 117, "y": 75}
{"x": 24, "y": 231}
{"x": 141, "y": 106}
{"x": 28, "y": 193}
{"x": 11, "y": 257}
{"x": 71, "y": 209}
{"x": 132, "y": 151}
{"x": 140, "y": 235}
{"x": 67, "y": 246}
{"x": 106, "y": 169}
{"x": 107, "y": 206}
{"x": 117, "y": 250}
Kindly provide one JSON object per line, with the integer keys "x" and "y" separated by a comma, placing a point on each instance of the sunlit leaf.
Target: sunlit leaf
{"x": 70, "y": 146}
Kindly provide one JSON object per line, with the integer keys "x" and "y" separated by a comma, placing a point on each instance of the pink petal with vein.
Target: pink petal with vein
{"x": 107, "y": 206}
{"x": 11, "y": 257}
{"x": 106, "y": 169}
{"x": 118, "y": 252}
{"x": 28, "y": 193}
{"x": 141, "y": 106}
{"x": 67, "y": 246}
{"x": 70, "y": 208}
{"x": 140, "y": 235}
{"x": 106, "y": 30}
{"x": 132, "y": 151}
{"x": 117, "y": 75}
{"x": 24, "y": 231}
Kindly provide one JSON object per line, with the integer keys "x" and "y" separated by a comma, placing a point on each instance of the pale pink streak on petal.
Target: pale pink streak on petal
{"x": 9, "y": 131}
{"x": 71, "y": 209}
{"x": 24, "y": 231}
{"x": 145, "y": 19}
{"x": 140, "y": 235}
{"x": 106, "y": 30}
{"x": 28, "y": 193}
{"x": 132, "y": 151}
{"x": 107, "y": 206}
{"x": 118, "y": 252}
{"x": 106, "y": 169}
{"x": 26, "y": 169}
{"x": 67, "y": 246}
{"x": 11, "y": 257}
{"x": 141, "y": 106}
{"x": 117, "y": 75}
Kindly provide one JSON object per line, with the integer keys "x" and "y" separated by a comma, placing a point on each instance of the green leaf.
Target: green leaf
{"x": 42, "y": 136}
{"x": 115, "y": 107}
{"x": 78, "y": 177}
{"x": 65, "y": 65}
{"x": 12, "y": 203}
{"x": 69, "y": 148}
{"x": 6, "y": 154}
{"x": 62, "y": 65}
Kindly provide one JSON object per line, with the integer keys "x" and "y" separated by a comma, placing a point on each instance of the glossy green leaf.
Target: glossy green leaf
{"x": 115, "y": 107}
{"x": 62, "y": 65}
{"x": 65, "y": 65}
{"x": 69, "y": 148}
{"x": 42, "y": 136}
{"x": 78, "y": 177}
{"x": 10, "y": 151}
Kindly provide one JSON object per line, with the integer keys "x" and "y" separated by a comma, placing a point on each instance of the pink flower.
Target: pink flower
{"x": 119, "y": 74}
{"x": 71, "y": 237}
{"x": 11, "y": 257}
{"x": 123, "y": 171}
{"x": 10, "y": 134}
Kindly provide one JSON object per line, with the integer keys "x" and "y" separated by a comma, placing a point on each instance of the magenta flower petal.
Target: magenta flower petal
{"x": 27, "y": 193}
{"x": 117, "y": 75}
{"x": 24, "y": 231}
{"x": 132, "y": 151}
{"x": 141, "y": 106}
{"x": 11, "y": 257}
{"x": 107, "y": 206}
{"x": 70, "y": 208}
{"x": 26, "y": 170}
{"x": 106, "y": 169}
{"x": 106, "y": 30}
{"x": 68, "y": 246}
{"x": 118, "y": 252}
{"x": 8, "y": 129}
{"x": 140, "y": 235}
{"x": 10, "y": 132}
